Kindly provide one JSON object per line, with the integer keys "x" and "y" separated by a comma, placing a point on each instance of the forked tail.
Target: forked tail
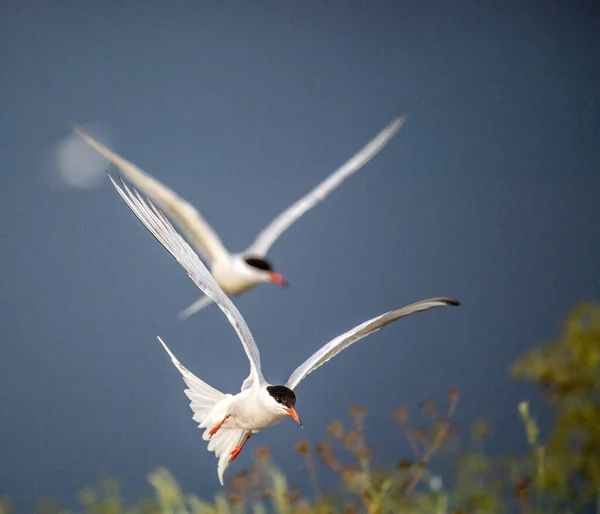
{"x": 223, "y": 443}
{"x": 198, "y": 305}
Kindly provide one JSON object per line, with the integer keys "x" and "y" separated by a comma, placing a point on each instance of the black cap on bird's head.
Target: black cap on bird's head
{"x": 283, "y": 395}
{"x": 286, "y": 397}
{"x": 266, "y": 266}
{"x": 258, "y": 263}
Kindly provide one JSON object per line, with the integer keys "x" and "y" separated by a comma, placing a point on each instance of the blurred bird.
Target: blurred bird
{"x": 238, "y": 273}
{"x": 230, "y": 420}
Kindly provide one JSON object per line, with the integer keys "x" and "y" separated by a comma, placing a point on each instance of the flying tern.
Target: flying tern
{"x": 230, "y": 420}
{"x": 237, "y": 273}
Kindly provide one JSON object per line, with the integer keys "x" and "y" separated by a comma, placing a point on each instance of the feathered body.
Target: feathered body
{"x": 229, "y": 420}
{"x": 238, "y": 273}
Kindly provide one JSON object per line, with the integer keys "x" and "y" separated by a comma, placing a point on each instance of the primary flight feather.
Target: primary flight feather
{"x": 238, "y": 273}
{"x": 230, "y": 420}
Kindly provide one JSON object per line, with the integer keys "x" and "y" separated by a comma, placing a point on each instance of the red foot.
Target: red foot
{"x": 239, "y": 448}
{"x": 215, "y": 429}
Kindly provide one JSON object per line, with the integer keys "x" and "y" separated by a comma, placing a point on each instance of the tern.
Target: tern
{"x": 237, "y": 273}
{"x": 230, "y": 420}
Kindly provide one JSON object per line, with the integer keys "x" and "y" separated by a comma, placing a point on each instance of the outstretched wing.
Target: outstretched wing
{"x": 203, "y": 397}
{"x": 163, "y": 231}
{"x": 207, "y": 403}
{"x": 189, "y": 220}
{"x": 334, "y": 347}
{"x": 281, "y": 223}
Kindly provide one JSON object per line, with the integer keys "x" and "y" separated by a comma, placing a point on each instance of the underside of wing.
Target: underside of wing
{"x": 269, "y": 235}
{"x": 158, "y": 225}
{"x": 203, "y": 397}
{"x": 189, "y": 220}
{"x": 207, "y": 403}
{"x": 335, "y": 346}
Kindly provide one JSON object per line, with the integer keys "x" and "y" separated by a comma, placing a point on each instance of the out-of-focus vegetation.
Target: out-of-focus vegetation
{"x": 559, "y": 473}
{"x": 568, "y": 370}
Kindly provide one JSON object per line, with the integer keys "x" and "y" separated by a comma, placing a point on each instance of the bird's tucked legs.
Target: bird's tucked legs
{"x": 215, "y": 429}
{"x": 236, "y": 451}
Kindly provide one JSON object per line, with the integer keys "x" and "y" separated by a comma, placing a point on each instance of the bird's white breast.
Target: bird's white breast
{"x": 234, "y": 275}
{"x": 253, "y": 410}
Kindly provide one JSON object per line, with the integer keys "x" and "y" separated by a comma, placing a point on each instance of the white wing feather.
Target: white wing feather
{"x": 163, "y": 231}
{"x": 335, "y": 346}
{"x": 204, "y": 399}
{"x": 281, "y": 223}
{"x": 189, "y": 220}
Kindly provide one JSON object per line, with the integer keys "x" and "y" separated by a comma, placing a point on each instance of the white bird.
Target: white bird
{"x": 230, "y": 419}
{"x": 237, "y": 273}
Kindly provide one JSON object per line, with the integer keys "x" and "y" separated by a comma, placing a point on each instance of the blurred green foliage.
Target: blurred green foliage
{"x": 568, "y": 370}
{"x": 558, "y": 474}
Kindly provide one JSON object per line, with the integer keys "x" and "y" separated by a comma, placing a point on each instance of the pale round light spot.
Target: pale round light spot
{"x": 435, "y": 484}
{"x": 77, "y": 164}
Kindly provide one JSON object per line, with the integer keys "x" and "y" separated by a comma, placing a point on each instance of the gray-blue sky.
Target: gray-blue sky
{"x": 490, "y": 193}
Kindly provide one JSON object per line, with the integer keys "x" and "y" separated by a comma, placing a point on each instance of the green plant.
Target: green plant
{"x": 559, "y": 474}
{"x": 568, "y": 370}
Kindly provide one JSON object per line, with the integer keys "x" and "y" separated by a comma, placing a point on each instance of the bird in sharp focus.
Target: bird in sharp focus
{"x": 229, "y": 420}
{"x": 237, "y": 273}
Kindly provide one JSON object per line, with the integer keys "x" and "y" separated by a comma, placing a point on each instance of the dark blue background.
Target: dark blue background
{"x": 490, "y": 194}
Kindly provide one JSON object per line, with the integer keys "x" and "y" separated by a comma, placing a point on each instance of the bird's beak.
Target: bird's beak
{"x": 278, "y": 279}
{"x": 292, "y": 412}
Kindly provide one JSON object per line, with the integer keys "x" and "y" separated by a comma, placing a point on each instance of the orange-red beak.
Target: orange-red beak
{"x": 278, "y": 279}
{"x": 292, "y": 412}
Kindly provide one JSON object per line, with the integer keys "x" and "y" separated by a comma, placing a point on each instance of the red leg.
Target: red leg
{"x": 215, "y": 429}
{"x": 239, "y": 448}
